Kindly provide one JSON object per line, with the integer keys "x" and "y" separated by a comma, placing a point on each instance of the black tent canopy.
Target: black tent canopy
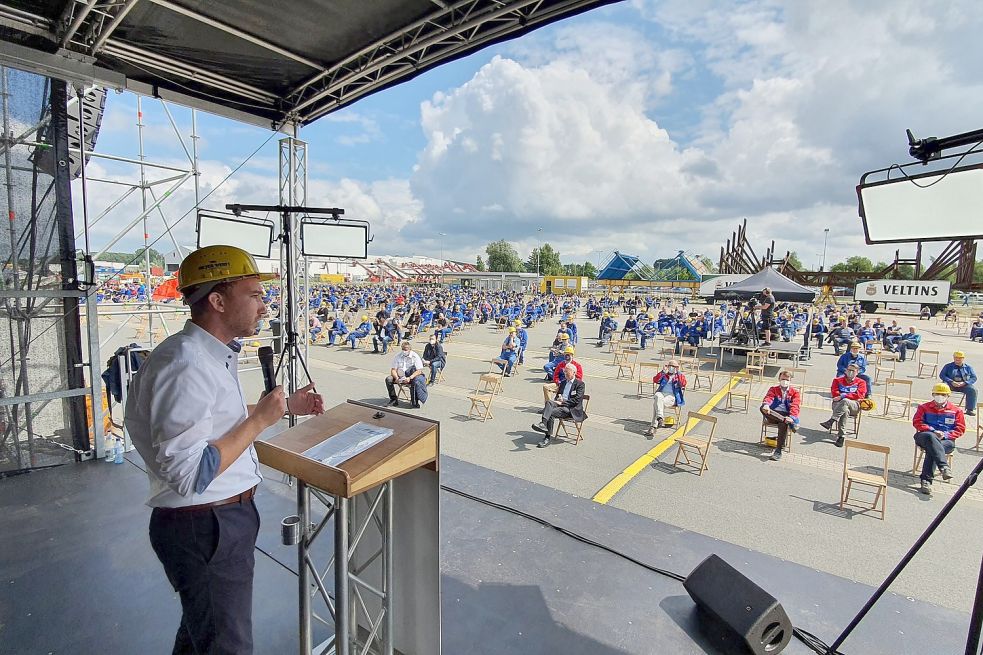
{"x": 269, "y": 62}
{"x": 784, "y": 289}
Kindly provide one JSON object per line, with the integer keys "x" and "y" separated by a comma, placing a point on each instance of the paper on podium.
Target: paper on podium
{"x": 348, "y": 443}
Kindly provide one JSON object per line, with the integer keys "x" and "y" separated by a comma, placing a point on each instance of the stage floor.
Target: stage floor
{"x": 79, "y": 575}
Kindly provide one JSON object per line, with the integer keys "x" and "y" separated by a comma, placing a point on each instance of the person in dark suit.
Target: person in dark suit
{"x": 568, "y": 403}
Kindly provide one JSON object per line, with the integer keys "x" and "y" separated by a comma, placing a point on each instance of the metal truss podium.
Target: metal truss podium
{"x": 383, "y": 504}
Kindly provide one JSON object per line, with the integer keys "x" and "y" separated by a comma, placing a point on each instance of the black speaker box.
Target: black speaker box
{"x": 751, "y": 617}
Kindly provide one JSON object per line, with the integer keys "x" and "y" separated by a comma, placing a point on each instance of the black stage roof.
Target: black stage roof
{"x": 263, "y": 61}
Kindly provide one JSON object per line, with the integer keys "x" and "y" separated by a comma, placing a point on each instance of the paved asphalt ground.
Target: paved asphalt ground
{"x": 788, "y": 509}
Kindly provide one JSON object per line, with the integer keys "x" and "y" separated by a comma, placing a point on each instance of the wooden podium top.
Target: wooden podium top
{"x": 414, "y": 443}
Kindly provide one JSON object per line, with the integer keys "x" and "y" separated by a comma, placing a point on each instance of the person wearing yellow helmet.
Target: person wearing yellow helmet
{"x": 360, "y": 332}
{"x": 510, "y": 353}
{"x": 938, "y": 423}
{"x": 961, "y": 378}
{"x": 608, "y": 327}
{"x": 523, "y": 338}
{"x": 189, "y": 424}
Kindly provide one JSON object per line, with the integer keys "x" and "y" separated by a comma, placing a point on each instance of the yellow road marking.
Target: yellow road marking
{"x": 609, "y": 490}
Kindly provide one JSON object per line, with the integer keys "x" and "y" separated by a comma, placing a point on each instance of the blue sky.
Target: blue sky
{"x": 644, "y": 126}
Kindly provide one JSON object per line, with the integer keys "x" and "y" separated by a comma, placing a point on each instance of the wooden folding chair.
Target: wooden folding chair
{"x": 851, "y": 477}
{"x": 898, "y": 392}
{"x": 882, "y": 373}
{"x": 403, "y": 392}
{"x": 739, "y": 387}
{"x": 689, "y": 351}
{"x": 756, "y": 362}
{"x": 856, "y": 424}
{"x": 766, "y": 428}
{"x": 440, "y": 373}
{"x": 578, "y": 426}
{"x": 481, "y": 403}
{"x": 668, "y": 349}
{"x": 928, "y": 360}
{"x": 647, "y": 371}
{"x": 919, "y": 458}
{"x": 626, "y": 361}
{"x": 615, "y": 344}
{"x": 696, "y": 445}
{"x": 706, "y": 369}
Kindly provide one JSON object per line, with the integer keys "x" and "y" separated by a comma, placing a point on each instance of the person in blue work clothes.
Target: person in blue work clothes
{"x": 910, "y": 341}
{"x": 523, "y": 336}
{"x": 190, "y": 424}
{"x": 939, "y": 424}
{"x": 961, "y": 378}
{"x": 337, "y": 329}
{"x": 360, "y": 332}
{"x": 670, "y": 387}
{"x": 389, "y": 334}
{"x": 648, "y": 332}
{"x": 510, "y": 353}
{"x": 856, "y": 357}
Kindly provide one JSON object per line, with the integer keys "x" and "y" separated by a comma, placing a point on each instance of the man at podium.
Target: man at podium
{"x": 190, "y": 423}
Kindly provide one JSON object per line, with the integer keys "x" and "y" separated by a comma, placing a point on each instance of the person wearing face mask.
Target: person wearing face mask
{"x": 781, "y": 407}
{"x": 939, "y": 423}
{"x": 961, "y": 377}
{"x": 847, "y": 391}
{"x": 434, "y": 357}
{"x": 670, "y": 385}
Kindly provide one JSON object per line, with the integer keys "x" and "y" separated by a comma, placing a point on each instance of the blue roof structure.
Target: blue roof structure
{"x": 680, "y": 267}
{"x": 621, "y": 266}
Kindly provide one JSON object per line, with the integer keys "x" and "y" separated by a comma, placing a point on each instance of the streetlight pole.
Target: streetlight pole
{"x": 825, "y": 240}
{"x": 539, "y": 251}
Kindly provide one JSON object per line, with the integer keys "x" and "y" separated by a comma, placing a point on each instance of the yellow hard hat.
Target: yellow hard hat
{"x": 959, "y": 355}
{"x": 213, "y": 264}
{"x": 941, "y": 388}
{"x": 568, "y": 350}
{"x": 867, "y": 404}
{"x": 516, "y": 322}
{"x": 564, "y": 336}
{"x": 365, "y": 317}
{"x": 606, "y": 315}
{"x": 511, "y": 329}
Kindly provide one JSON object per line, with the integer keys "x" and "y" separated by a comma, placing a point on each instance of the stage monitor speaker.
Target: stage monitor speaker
{"x": 752, "y": 617}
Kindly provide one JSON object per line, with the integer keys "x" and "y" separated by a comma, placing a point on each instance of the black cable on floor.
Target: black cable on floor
{"x": 810, "y": 640}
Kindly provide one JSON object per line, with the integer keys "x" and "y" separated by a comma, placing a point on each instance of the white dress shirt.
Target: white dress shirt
{"x": 405, "y": 361}
{"x": 186, "y": 395}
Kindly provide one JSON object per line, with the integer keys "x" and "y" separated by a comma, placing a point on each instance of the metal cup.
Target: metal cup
{"x": 290, "y": 530}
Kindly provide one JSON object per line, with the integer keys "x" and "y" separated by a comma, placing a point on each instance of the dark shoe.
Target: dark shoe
{"x": 926, "y": 487}
{"x": 777, "y": 455}
{"x": 970, "y": 413}
{"x": 393, "y": 403}
{"x": 827, "y": 424}
{"x": 539, "y": 427}
{"x": 545, "y": 442}
{"x": 794, "y": 427}
{"x": 839, "y": 441}
{"x": 946, "y": 473}
{"x": 649, "y": 432}
{"x": 659, "y": 422}
{"x": 415, "y": 405}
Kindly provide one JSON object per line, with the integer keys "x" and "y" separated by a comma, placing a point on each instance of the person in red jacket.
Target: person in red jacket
{"x": 781, "y": 407}
{"x": 567, "y": 360}
{"x": 847, "y": 391}
{"x": 670, "y": 385}
{"x": 939, "y": 423}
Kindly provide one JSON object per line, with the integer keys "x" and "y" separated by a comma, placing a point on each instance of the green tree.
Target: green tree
{"x": 480, "y": 264}
{"x": 855, "y": 264}
{"x": 589, "y": 270}
{"x": 503, "y": 258}
{"x": 793, "y": 259}
{"x": 546, "y": 260}
{"x": 978, "y": 271}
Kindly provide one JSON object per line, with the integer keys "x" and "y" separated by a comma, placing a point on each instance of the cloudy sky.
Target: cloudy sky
{"x": 647, "y": 127}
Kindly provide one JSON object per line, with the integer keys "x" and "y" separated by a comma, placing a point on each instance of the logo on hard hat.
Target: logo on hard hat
{"x": 871, "y": 289}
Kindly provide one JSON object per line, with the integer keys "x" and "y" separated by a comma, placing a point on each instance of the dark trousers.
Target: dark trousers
{"x": 782, "y": 425}
{"x": 935, "y": 452}
{"x": 208, "y": 557}
{"x": 554, "y": 411}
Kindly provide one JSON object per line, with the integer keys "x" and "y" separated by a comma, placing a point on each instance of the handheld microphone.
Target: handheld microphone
{"x": 266, "y": 364}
